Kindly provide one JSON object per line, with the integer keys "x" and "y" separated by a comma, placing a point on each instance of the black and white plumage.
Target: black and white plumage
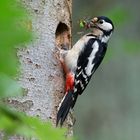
{"x": 82, "y": 61}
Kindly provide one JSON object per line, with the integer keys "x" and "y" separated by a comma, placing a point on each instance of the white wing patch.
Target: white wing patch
{"x": 79, "y": 73}
{"x": 75, "y": 89}
{"x": 82, "y": 86}
{"x": 90, "y": 66}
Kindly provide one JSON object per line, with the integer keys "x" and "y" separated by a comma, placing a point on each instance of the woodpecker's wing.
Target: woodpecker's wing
{"x": 88, "y": 61}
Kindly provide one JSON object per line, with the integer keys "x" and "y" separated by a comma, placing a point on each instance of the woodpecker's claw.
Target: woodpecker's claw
{"x": 57, "y": 54}
{"x": 60, "y": 53}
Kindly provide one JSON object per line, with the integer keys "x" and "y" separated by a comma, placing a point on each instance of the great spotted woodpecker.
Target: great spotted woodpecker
{"x": 81, "y": 62}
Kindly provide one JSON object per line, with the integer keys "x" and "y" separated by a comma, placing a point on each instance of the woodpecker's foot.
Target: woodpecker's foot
{"x": 57, "y": 54}
{"x": 60, "y": 52}
{"x": 60, "y": 56}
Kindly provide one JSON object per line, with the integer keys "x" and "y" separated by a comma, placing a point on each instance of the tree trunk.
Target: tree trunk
{"x": 41, "y": 74}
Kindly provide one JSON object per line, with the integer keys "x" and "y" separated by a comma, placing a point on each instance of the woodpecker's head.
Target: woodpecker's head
{"x": 103, "y": 24}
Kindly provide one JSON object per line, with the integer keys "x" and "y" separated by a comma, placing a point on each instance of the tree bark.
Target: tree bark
{"x": 41, "y": 74}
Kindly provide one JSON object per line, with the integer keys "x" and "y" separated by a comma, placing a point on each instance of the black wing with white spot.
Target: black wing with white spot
{"x": 88, "y": 61}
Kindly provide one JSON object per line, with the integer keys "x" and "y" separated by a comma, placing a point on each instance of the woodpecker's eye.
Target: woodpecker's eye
{"x": 100, "y": 21}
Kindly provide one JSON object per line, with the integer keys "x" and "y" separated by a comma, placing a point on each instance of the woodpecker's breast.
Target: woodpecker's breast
{"x": 72, "y": 56}
{"x": 71, "y": 60}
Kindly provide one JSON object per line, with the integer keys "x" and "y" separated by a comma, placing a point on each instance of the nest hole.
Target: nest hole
{"x": 62, "y": 36}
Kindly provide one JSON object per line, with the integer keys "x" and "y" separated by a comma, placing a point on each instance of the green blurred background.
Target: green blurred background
{"x": 109, "y": 109}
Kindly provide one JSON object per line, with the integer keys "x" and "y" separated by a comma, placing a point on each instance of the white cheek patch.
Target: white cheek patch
{"x": 106, "y": 26}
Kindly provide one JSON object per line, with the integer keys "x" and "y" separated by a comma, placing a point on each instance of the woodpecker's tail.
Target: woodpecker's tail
{"x": 67, "y": 103}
